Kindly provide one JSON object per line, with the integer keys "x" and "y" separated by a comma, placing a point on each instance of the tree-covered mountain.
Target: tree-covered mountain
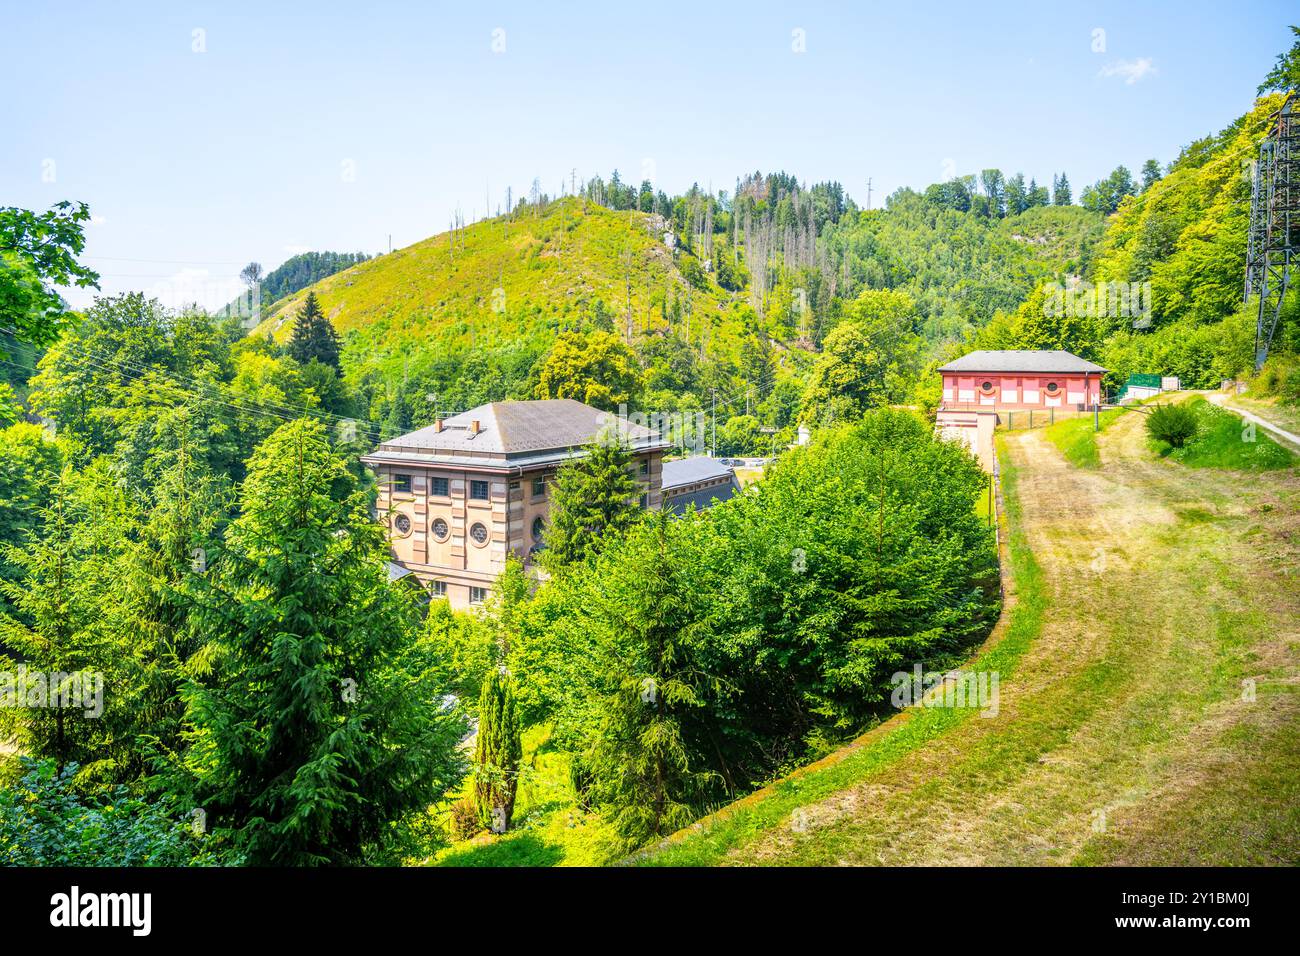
{"x": 728, "y": 296}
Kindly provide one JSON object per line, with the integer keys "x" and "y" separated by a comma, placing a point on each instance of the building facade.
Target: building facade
{"x": 981, "y": 386}
{"x": 461, "y": 495}
{"x": 1020, "y": 380}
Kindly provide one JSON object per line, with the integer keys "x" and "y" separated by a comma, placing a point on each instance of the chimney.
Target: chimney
{"x": 474, "y": 427}
{"x": 437, "y": 426}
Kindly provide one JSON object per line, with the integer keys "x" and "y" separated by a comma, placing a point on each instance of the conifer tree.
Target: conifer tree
{"x": 497, "y": 752}
{"x": 313, "y": 336}
{"x": 638, "y": 756}
{"x": 591, "y": 498}
{"x": 319, "y": 719}
{"x": 57, "y": 626}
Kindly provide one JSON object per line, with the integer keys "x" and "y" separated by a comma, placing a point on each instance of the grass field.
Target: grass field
{"x": 1077, "y": 437}
{"x": 1149, "y": 714}
{"x": 1225, "y": 440}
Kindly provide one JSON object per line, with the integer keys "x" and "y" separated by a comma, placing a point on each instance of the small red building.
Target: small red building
{"x": 1016, "y": 380}
{"x": 980, "y": 385}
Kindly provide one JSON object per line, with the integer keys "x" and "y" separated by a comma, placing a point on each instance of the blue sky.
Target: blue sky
{"x": 279, "y": 128}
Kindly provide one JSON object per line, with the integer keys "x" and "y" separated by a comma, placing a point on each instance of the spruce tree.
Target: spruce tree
{"x": 591, "y": 498}
{"x": 497, "y": 753}
{"x": 318, "y": 716}
{"x": 639, "y": 753}
{"x": 64, "y": 584}
{"x": 313, "y": 336}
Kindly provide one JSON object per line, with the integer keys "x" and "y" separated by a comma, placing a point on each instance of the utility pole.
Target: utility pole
{"x": 868, "y": 192}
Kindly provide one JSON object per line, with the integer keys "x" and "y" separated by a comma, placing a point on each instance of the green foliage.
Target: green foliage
{"x": 313, "y": 338}
{"x": 304, "y": 269}
{"x": 1285, "y": 75}
{"x": 593, "y": 501}
{"x": 595, "y": 368}
{"x": 497, "y": 753}
{"x": 1224, "y": 440}
{"x": 772, "y": 619}
{"x": 45, "y": 821}
{"x": 867, "y": 361}
{"x": 1173, "y": 424}
{"x": 38, "y": 252}
{"x": 637, "y": 764}
{"x": 318, "y": 717}
{"x": 1105, "y": 196}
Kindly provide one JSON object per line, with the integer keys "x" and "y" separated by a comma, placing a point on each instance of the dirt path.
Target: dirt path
{"x": 1156, "y": 717}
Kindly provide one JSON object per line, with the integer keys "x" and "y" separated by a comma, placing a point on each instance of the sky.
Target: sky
{"x": 206, "y": 135}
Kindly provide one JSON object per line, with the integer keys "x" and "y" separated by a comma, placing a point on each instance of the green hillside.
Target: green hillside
{"x": 572, "y": 264}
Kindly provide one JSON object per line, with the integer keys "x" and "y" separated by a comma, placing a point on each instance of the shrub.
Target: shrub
{"x": 1173, "y": 424}
{"x": 45, "y": 822}
{"x": 463, "y": 822}
{"x": 498, "y": 751}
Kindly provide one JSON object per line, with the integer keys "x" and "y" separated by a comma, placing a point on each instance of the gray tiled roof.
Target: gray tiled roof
{"x": 1021, "y": 360}
{"x": 686, "y": 471}
{"x": 511, "y": 428}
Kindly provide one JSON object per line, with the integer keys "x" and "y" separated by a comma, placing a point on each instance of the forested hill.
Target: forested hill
{"x": 1184, "y": 234}
{"x": 730, "y": 292}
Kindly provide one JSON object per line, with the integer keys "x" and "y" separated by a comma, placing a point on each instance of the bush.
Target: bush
{"x": 1173, "y": 424}
{"x": 463, "y": 822}
{"x": 45, "y": 822}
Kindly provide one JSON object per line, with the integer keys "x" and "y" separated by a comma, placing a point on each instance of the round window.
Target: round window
{"x": 987, "y": 386}
{"x": 479, "y": 533}
{"x": 402, "y": 524}
{"x": 538, "y": 526}
{"x": 1052, "y": 386}
{"x": 440, "y": 529}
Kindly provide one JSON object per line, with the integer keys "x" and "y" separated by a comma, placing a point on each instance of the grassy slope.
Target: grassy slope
{"x": 1076, "y": 439}
{"x": 1225, "y": 440}
{"x": 1146, "y": 594}
{"x": 551, "y": 268}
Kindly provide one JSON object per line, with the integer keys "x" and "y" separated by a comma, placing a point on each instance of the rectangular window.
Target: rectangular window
{"x": 438, "y": 486}
{"x": 438, "y": 588}
{"x": 478, "y": 490}
{"x": 477, "y": 595}
{"x": 402, "y": 483}
{"x": 645, "y": 501}
{"x": 645, "y": 466}
{"x": 539, "y": 487}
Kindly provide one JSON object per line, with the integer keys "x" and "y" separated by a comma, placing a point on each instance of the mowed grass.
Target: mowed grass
{"x": 1155, "y": 597}
{"x": 1077, "y": 437}
{"x": 1225, "y": 440}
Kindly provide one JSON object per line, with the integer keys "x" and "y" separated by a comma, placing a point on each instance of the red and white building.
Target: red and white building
{"x": 981, "y": 386}
{"x": 1020, "y": 380}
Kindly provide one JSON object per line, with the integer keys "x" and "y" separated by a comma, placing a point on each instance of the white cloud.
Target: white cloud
{"x": 1130, "y": 71}
{"x": 98, "y": 220}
